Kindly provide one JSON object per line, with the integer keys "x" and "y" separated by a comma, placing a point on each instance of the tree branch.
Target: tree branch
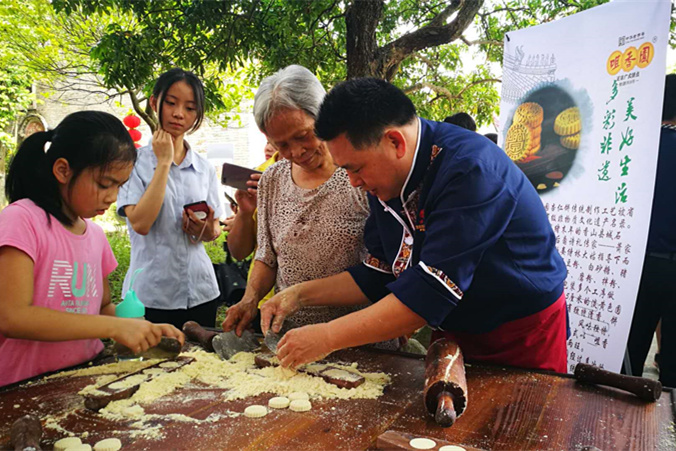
{"x": 389, "y": 57}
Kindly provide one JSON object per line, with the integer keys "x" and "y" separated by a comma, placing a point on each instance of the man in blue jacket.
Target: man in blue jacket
{"x": 457, "y": 238}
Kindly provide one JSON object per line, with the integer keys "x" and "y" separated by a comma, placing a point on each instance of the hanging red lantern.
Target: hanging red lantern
{"x": 135, "y": 134}
{"x": 132, "y": 121}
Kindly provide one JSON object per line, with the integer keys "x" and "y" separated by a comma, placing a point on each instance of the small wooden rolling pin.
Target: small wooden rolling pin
{"x": 646, "y": 389}
{"x": 25, "y": 434}
{"x": 445, "y": 394}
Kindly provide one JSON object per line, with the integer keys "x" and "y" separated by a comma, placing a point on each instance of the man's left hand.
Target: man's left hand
{"x": 304, "y": 345}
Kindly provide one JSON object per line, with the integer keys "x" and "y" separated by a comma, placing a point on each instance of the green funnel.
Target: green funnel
{"x": 131, "y": 307}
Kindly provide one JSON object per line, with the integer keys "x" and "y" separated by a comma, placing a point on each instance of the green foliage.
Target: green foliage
{"x": 119, "y": 242}
{"x": 215, "y": 249}
{"x": 15, "y": 98}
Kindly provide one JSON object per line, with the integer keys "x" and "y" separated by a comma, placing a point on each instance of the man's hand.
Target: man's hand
{"x": 163, "y": 146}
{"x": 239, "y": 316}
{"x": 277, "y": 308}
{"x": 304, "y": 345}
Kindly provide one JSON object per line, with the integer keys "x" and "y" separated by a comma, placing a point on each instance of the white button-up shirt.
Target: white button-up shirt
{"x": 177, "y": 274}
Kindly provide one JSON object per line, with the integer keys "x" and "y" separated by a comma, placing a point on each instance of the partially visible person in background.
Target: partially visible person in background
{"x": 178, "y": 283}
{"x": 269, "y": 152}
{"x": 463, "y": 120}
{"x": 241, "y": 227}
{"x": 55, "y": 300}
{"x": 492, "y": 136}
{"x": 657, "y": 291}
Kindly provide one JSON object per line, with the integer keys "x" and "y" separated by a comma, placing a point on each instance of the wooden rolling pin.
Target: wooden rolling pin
{"x": 646, "y": 389}
{"x": 25, "y": 434}
{"x": 195, "y": 332}
{"x": 445, "y": 393}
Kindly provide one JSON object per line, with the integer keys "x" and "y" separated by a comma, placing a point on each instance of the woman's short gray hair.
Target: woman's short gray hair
{"x": 293, "y": 87}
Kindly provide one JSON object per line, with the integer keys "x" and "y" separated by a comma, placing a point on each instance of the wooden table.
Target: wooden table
{"x": 507, "y": 409}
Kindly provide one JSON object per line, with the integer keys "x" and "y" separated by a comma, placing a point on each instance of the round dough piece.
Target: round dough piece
{"x": 279, "y": 402}
{"x": 300, "y": 405}
{"x": 298, "y": 395}
{"x": 80, "y": 447}
{"x": 255, "y": 411}
{"x": 422, "y": 443}
{"x": 67, "y": 442}
{"x": 451, "y": 448}
{"x": 109, "y": 444}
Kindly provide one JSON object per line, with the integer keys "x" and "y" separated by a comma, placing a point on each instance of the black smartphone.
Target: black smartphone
{"x": 230, "y": 199}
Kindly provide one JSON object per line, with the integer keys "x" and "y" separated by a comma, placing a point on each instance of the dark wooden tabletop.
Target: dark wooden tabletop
{"x": 507, "y": 409}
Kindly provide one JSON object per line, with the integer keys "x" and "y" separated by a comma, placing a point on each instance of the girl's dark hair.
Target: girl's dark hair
{"x": 87, "y": 139}
{"x": 167, "y": 80}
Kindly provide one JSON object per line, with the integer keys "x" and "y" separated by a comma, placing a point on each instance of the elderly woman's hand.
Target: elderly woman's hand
{"x": 304, "y": 345}
{"x": 277, "y": 308}
{"x": 239, "y": 316}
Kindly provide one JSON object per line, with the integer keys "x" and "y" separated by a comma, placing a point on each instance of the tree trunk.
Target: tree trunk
{"x": 361, "y": 20}
{"x": 364, "y": 58}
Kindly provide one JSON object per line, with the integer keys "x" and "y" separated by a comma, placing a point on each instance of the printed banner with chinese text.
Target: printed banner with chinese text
{"x": 581, "y": 110}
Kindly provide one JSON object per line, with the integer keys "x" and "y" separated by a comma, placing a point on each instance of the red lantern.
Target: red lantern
{"x": 135, "y": 135}
{"x": 132, "y": 121}
{"x": 137, "y": 145}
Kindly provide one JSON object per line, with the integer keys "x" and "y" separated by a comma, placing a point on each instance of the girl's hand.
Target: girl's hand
{"x": 163, "y": 146}
{"x": 137, "y": 334}
{"x": 140, "y": 335}
{"x": 204, "y": 230}
{"x": 246, "y": 201}
{"x": 170, "y": 331}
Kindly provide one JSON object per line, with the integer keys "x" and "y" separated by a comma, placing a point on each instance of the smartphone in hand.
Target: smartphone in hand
{"x": 200, "y": 209}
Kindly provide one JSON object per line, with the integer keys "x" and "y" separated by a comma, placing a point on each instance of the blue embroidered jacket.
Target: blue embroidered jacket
{"x": 467, "y": 245}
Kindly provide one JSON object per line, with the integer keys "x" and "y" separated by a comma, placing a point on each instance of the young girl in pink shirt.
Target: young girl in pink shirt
{"x": 54, "y": 262}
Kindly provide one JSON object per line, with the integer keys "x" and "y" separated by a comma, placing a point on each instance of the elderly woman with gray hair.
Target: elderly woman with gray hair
{"x": 310, "y": 219}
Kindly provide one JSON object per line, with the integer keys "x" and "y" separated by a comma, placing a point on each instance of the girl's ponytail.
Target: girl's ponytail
{"x": 86, "y": 139}
{"x": 30, "y": 174}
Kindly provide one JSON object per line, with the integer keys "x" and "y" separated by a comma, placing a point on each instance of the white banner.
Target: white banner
{"x": 581, "y": 109}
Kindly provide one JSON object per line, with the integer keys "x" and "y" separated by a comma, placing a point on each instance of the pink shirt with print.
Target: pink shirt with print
{"x": 67, "y": 276}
